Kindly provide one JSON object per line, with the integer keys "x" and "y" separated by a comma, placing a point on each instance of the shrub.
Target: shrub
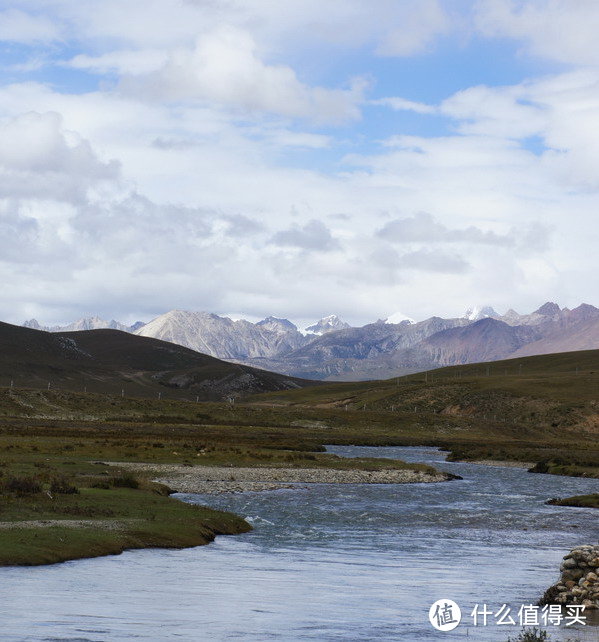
{"x": 540, "y": 467}
{"x": 102, "y": 484}
{"x": 63, "y": 486}
{"x": 23, "y": 485}
{"x": 125, "y": 481}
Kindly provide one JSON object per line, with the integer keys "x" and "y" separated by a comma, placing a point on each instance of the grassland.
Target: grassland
{"x": 59, "y": 499}
{"x": 543, "y": 409}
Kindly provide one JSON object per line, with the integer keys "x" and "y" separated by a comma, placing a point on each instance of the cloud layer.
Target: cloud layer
{"x": 273, "y": 158}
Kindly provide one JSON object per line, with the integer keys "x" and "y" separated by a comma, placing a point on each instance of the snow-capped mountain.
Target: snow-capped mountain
{"x": 476, "y": 313}
{"x": 327, "y": 324}
{"x": 399, "y": 317}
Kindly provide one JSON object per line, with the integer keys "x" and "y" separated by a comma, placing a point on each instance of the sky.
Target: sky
{"x": 297, "y": 158}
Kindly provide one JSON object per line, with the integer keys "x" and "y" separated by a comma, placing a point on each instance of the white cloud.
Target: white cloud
{"x": 423, "y": 228}
{"x": 204, "y": 176}
{"x": 415, "y": 29}
{"x": 121, "y": 62}
{"x": 314, "y": 235}
{"x": 224, "y": 67}
{"x": 40, "y": 159}
{"x": 434, "y": 261}
{"x": 22, "y": 27}
{"x": 401, "y": 104}
{"x": 560, "y": 30}
{"x": 393, "y": 29}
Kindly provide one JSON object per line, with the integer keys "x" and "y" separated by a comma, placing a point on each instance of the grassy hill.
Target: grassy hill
{"x": 543, "y": 409}
{"x": 114, "y": 362}
{"x": 557, "y": 390}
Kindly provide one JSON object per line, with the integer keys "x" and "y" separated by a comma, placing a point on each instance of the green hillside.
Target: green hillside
{"x": 115, "y": 362}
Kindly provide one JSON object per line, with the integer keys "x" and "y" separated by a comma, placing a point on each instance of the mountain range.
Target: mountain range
{"x": 121, "y": 363}
{"x": 332, "y": 350}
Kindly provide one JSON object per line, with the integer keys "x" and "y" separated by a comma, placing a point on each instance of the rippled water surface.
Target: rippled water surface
{"x": 326, "y": 562}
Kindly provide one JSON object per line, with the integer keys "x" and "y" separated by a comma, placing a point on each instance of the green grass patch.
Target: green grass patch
{"x": 102, "y": 522}
{"x": 581, "y": 501}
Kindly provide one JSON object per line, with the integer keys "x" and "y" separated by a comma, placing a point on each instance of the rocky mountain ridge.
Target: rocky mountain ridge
{"x": 331, "y": 349}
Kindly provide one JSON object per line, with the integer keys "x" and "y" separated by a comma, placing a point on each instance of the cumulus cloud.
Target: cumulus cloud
{"x": 434, "y": 261}
{"x": 421, "y": 23}
{"x": 314, "y": 235}
{"x": 424, "y": 228}
{"x": 18, "y": 233}
{"x": 401, "y": 104}
{"x": 394, "y": 29}
{"x": 556, "y": 29}
{"x": 40, "y": 159}
{"x": 225, "y": 67}
{"x": 38, "y": 142}
{"x": 240, "y": 226}
{"x": 26, "y": 28}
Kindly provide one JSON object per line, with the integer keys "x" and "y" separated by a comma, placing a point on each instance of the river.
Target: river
{"x": 326, "y": 562}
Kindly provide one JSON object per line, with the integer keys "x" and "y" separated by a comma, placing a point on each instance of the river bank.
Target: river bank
{"x": 502, "y": 463}
{"x": 40, "y": 525}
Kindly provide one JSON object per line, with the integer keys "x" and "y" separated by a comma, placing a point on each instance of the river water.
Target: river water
{"x": 326, "y": 562}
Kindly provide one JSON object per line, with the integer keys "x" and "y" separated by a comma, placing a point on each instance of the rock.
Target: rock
{"x": 579, "y": 583}
{"x": 572, "y": 574}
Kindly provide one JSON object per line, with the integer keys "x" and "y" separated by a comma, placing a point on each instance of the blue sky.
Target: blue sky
{"x": 247, "y": 157}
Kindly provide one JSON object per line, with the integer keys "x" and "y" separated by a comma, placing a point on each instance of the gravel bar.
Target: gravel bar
{"x": 222, "y": 479}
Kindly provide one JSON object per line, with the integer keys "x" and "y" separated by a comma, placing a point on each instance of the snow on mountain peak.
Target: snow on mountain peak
{"x": 399, "y": 317}
{"x": 327, "y": 324}
{"x": 476, "y": 313}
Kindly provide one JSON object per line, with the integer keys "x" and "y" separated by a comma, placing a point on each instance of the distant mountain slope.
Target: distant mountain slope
{"x": 112, "y": 361}
{"x": 87, "y": 323}
{"x": 214, "y": 335}
{"x": 485, "y": 340}
{"x": 583, "y": 335}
